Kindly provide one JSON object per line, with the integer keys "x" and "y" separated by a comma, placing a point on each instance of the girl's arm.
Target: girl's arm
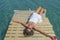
{"x": 18, "y": 21}
{"x": 41, "y": 32}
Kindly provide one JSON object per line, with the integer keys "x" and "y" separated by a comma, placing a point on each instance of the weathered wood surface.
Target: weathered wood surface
{"x": 15, "y": 30}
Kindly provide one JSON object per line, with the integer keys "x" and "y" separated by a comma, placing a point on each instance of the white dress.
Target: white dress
{"x": 36, "y": 18}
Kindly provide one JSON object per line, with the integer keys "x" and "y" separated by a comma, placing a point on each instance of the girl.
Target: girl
{"x": 34, "y": 18}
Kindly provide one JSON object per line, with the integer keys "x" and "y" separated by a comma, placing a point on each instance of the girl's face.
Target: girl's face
{"x": 28, "y": 32}
{"x": 29, "y": 29}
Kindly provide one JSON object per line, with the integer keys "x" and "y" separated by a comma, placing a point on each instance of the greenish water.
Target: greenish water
{"x": 7, "y": 7}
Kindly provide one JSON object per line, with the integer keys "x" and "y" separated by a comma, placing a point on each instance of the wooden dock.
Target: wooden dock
{"x": 15, "y": 30}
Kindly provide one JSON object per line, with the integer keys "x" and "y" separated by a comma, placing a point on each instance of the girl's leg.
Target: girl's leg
{"x": 38, "y": 10}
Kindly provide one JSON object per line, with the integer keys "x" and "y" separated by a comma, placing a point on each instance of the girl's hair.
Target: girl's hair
{"x": 27, "y": 33}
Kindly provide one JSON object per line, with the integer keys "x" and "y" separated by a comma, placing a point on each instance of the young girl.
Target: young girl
{"x": 34, "y": 18}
